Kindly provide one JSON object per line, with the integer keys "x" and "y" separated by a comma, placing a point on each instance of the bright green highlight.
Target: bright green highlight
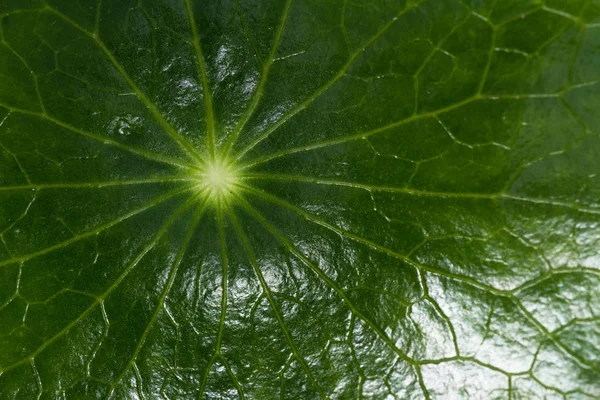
{"x": 218, "y": 179}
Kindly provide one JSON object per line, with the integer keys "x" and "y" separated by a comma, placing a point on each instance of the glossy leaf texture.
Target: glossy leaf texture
{"x": 299, "y": 199}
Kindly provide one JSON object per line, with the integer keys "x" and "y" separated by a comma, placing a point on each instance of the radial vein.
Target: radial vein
{"x": 251, "y": 210}
{"x": 224, "y": 272}
{"x": 109, "y": 290}
{"x": 208, "y": 104}
{"x": 357, "y": 185}
{"x": 167, "y": 288}
{"x": 175, "y": 135}
{"x": 417, "y": 192}
{"x": 462, "y": 278}
{"x": 95, "y": 185}
{"x": 325, "y": 87}
{"x": 267, "y": 292}
{"x": 263, "y": 80}
{"x": 101, "y": 139}
{"x": 95, "y": 231}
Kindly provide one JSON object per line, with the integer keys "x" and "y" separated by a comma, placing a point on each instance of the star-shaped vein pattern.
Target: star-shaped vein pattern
{"x": 299, "y": 199}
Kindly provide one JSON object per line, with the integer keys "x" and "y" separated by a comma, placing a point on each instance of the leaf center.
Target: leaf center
{"x": 218, "y": 180}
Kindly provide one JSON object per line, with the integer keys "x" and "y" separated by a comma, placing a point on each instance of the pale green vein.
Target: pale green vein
{"x": 573, "y": 322}
{"x": 33, "y": 76}
{"x": 573, "y": 63}
{"x": 469, "y": 359}
{"x": 358, "y": 136}
{"x": 172, "y": 132}
{"x": 17, "y": 285}
{"x": 439, "y": 310}
{"x": 17, "y": 220}
{"x": 422, "y": 267}
{"x": 17, "y": 162}
{"x": 38, "y": 379}
{"x": 425, "y": 193}
{"x": 412, "y": 118}
{"x": 165, "y": 292}
{"x": 108, "y": 291}
{"x": 304, "y": 104}
{"x": 422, "y": 382}
{"x": 263, "y": 80}
{"x": 550, "y": 336}
{"x": 382, "y": 249}
{"x": 415, "y": 192}
{"x": 95, "y": 185}
{"x": 381, "y": 292}
{"x": 245, "y": 29}
{"x": 552, "y": 273}
{"x": 316, "y": 270}
{"x": 546, "y": 385}
{"x": 434, "y": 51}
{"x": 198, "y": 277}
{"x": 208, "y": 105}
{"x": 466, "y": 279}
{"x": 267, "y": 292}
{"x": 90, "y": 357}
{"x": 350, "y": 339}
{"x": 96, "y": 32}
{"x": 558, "y": 33}
{"x": 573, "y": 18}
{"x": 224, "y": 272}
{"x": 97, "y": 230}
{"x": 488, "y": 63}
{"x": 519, "y": 16}
{"x": 139, "y": 383}
{"x": 102, "y": 139}
{"x": 557, "y": 203}
{"x": 368, "y": 187}
{"x": 234, "y": 379}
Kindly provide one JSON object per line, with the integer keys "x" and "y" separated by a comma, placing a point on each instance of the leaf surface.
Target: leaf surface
{"x": 299, "y": 199}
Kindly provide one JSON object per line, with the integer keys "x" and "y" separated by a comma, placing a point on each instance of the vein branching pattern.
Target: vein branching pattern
{"x": 299, "y": 199}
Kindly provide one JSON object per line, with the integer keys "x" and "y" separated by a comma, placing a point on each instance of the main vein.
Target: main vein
{"x": 224, "y": 273}
{"x": 166, "y": 289}
{"x": 321, "y": 274}
{"x": 95, "y": 185}
{"x": 207, "y": 95}
{"x": 101, "y": 139}
{"x": 172, "y": 132}
{"x": 109, "y": 290}
{"x": 267, "y": 292}
{"x": 258, "y": 93}
{"x": 97, "y": 230}
{"x": 304, "y": 104}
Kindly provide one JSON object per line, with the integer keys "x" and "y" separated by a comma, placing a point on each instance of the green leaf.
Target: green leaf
{"x": 299, "y": 199}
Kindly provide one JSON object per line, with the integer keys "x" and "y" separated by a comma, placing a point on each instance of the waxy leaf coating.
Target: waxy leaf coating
{"x": 299, "y": 199}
